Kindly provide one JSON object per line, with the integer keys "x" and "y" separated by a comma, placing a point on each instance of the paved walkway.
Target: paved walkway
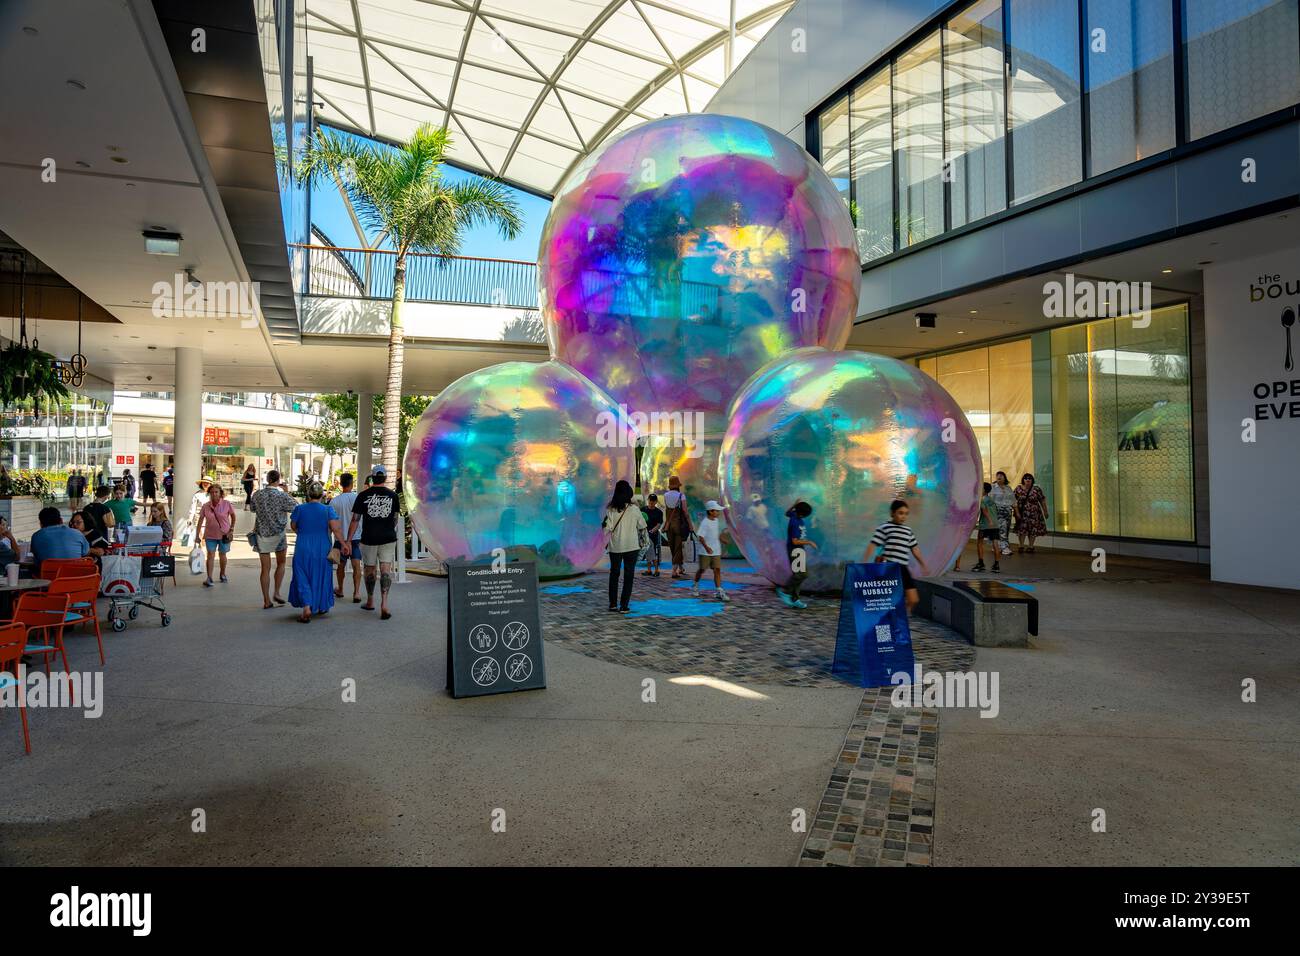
{"x": 1129, "y": 701}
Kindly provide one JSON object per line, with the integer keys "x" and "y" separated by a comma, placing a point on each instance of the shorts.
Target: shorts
{"x": 909, "y": 582}
{"x": 217, "y": 544}
{"x": 710, "y": 561}
{"x": 356, "y": 549}
{"x": 373, "y": 554}
{"x": 266, "y": 544}
{"x": 990, "y": 534}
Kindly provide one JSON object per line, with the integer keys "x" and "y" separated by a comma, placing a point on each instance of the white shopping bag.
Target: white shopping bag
{"x": 119, "y": 575}
{"x": 196, "y": 561}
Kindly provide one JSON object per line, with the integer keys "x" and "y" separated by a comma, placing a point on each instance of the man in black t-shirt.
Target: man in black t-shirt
{"x": 98, "y": 518}
{"x": 378, "y": 505}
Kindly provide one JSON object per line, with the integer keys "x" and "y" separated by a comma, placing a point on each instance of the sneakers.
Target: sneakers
{"x": 208, "y": 583}
{"x": 1006, "y": 550}
{"x": 799, "y": 604}
{"x": 785, "y": 598}
{"x": 995, "y": 568}
{"x": 722, "y": 595}
{"x": 979, "y": 566}
{"x": 695, "y": 590}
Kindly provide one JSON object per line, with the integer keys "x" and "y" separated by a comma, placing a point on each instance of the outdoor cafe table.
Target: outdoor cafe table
{"x": 9, "y": 592}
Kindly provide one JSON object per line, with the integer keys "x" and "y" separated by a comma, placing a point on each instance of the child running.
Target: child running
{"x": 709, "y": 534}
{"x": 895, "y": 542}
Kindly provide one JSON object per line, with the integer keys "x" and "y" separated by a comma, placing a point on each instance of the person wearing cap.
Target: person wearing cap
{"x": 378, "y": 506}
{"x": 709, "y": 535}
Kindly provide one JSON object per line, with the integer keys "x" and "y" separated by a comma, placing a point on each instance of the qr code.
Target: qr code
{"x": 882, "y": 634}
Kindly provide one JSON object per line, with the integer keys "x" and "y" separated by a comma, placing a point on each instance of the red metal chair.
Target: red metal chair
{"x": 55, "y": 568}
{"x": 82, "y": 593}
{"x": 13, "y": 637}
{"x": 44, "y": 616}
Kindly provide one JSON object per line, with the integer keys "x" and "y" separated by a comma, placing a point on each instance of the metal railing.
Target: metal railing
{"x": 461, "y": 280}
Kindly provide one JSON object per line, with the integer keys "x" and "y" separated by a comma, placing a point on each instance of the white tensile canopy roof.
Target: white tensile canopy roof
{"x": 526, "y": 87}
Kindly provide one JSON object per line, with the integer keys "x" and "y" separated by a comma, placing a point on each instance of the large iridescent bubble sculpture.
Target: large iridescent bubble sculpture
{"x": 848, "y": 432}
{"x": 685, "y": 254}
{"x": 521, "y": 456}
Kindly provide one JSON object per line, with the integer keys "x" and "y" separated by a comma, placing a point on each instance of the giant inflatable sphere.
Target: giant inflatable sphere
{"x": 848, "y": 432}
{"x": 521, "y": 456}
{"x": 685, "y": 254}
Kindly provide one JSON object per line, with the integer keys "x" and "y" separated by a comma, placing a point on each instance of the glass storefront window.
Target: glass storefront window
{"x": 1241, "y": 61}
{"x": 1046, "y": 137}
{"x": 994, "y": 387}
{"x": 872, "y": 147}
{"x": 975, "y": 112}
{"x": 1122, "y": 428}
{"x": 1130, "y": 81}
{"x": 918, "y": 121}
{"x": 1120, "y": 459}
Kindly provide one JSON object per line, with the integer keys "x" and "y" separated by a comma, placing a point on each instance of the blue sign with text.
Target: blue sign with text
{"x": 873, "y": 640}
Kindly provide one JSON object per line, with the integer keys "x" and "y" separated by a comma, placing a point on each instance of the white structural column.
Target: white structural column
{"x": 365, "y": 434}
{"x": 189, "y": 421}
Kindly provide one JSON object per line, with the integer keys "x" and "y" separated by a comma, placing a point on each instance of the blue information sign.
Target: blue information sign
{"x": 873, "y": 640}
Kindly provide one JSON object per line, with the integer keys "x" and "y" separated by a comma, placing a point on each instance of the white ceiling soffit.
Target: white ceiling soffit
{"x": 527, "y": 87}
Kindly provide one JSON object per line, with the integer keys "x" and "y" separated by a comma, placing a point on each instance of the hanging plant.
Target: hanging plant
{"x": 27, "y": 372}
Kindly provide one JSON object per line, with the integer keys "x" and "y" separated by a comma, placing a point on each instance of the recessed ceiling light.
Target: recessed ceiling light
{"x": 76, "y": 84}
{"x": 1166, "y": 271}
{"x": 120, "y": 160}
{"x": 160, "y": 243}
{"x": 974, "y": 311}
{"x": 960, "y": 332}
{"x": 83, "y": 164}
{"x": 1205, "y": 262}
{"x": 31, "y": 31}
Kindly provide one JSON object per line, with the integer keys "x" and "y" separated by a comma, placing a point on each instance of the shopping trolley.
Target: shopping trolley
{"x": 132, "y": 576}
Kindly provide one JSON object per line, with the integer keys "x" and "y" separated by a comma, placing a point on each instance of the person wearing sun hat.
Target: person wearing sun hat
{"x": 709, "y": 535}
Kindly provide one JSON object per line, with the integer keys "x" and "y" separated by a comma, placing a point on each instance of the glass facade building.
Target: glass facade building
{"x": 1099, "y": 412}
{"x": 1007, "y": 101}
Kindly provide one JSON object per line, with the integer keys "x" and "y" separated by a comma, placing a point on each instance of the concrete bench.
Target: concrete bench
{"x": 986, "y": 613}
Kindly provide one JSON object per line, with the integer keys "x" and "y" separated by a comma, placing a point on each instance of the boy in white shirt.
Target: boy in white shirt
{"x": 709, "y": 534}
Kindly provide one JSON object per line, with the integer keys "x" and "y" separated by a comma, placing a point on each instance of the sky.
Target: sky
{"x": 329, "y": 214}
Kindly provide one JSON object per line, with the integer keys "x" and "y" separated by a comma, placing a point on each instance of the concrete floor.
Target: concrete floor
{"x": 240, "y": 713}
{"x": 1129, "y": 701}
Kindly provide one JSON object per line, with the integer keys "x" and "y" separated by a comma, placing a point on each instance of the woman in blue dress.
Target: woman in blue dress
{"x": 316, "y": 526}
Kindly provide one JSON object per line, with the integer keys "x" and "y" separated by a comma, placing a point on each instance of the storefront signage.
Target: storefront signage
{"x": 873, "y": 640}
{"x": 216, "y": 436}
{"x": 494, "y": 629}
{"x": 232, "y": 451}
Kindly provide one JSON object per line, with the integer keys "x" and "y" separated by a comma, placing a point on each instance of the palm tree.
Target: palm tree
{"x": 398, "y": 193}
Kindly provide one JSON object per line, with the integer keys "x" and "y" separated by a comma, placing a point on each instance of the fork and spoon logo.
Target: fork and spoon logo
{"x": 1288, "y": 320}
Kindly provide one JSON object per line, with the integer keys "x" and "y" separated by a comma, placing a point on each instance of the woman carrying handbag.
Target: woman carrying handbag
{"x": 625, "y": 538}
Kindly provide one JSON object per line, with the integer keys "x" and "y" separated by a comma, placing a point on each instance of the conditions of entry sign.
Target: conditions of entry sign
{"x": 494, "y": 629}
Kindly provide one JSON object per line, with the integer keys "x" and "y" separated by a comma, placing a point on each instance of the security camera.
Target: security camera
{"x": 191, "y": 280}
{"x": 148, "y": 378}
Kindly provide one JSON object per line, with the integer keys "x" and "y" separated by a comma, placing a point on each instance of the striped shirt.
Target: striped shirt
{"x": 897, "y": 540}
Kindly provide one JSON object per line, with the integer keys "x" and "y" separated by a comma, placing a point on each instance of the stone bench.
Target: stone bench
{"x": 986, "y": 613}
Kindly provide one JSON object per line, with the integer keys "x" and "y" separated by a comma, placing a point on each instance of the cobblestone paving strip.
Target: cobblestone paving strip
{"x": 878, "y": 807}
{"x": 755, "y": 639}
